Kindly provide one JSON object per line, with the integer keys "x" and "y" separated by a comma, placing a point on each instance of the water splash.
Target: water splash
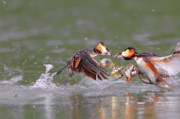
{"x": 13, "y": 80}
{"x": 48, "y": 67}
{"x": 46, "y": 79}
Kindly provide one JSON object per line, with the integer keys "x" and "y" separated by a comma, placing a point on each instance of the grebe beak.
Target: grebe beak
{"x": 118, "y": 55}
{"x": 109, "y": 53}
{"x": 101, "y": 49}
{"x": 127, "y": 54}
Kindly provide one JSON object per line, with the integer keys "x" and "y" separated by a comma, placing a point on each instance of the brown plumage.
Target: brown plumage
{"x": 82, "y": 63}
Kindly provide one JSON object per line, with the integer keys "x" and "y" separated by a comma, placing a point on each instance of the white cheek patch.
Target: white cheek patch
{"x": 104, "y": 49}
{"x": 125, "y": 54}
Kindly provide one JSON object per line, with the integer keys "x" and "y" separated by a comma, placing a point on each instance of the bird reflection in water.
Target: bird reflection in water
{"x": 129, "y": 106}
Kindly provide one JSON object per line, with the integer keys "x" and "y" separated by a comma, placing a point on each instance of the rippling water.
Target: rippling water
{"x": 34, "y": 33}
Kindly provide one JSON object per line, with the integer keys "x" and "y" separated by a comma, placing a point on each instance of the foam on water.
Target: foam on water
{"x": 13, "y": 80}
{"x": 45, "y": 91}
{"x": 46, "y": 79}
{"x": 100, "y": 84}
{"x": 110, "y": 86}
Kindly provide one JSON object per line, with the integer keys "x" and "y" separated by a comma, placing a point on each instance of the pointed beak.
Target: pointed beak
{"x": 105, "y": 51}
{"x": 118, "y": 55}
{"x": 109, "y": 53}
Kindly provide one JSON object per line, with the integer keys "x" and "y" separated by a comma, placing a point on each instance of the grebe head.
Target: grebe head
{"x": 127, "y": 54}
{"x": 101, "y": 49}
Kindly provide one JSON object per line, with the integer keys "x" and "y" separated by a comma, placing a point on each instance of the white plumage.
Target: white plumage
{"x": 169, "y": 65}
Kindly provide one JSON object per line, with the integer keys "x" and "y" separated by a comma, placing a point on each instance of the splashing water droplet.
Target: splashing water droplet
{"x": 46, "y": 79}
{"x": 48, "y": 67}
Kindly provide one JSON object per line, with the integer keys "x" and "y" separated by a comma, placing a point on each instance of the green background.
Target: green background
{"x": 38, "y": 32}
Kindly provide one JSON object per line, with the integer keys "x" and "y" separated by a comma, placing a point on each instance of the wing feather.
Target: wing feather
{"x": 91, "y": 69}
{"x": 169, "y": 65}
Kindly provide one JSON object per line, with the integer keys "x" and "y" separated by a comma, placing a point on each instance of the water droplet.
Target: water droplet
{"x": 48, "y": 67}
{"x": 4, "y": 2}
{"x": 85, "y": 38}
{"x": 153, "y": 10}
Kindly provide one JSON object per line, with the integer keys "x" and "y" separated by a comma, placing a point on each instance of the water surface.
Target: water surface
{"x": 34, "y": 33}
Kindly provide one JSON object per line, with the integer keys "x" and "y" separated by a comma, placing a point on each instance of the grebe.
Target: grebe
{"x": 152, "y": 66}
{"x": 82, "y": 62}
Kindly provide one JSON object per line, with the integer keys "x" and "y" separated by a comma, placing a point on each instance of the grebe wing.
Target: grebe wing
{"x": 91, "y": 69}
{"x": 169, "y": 65}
